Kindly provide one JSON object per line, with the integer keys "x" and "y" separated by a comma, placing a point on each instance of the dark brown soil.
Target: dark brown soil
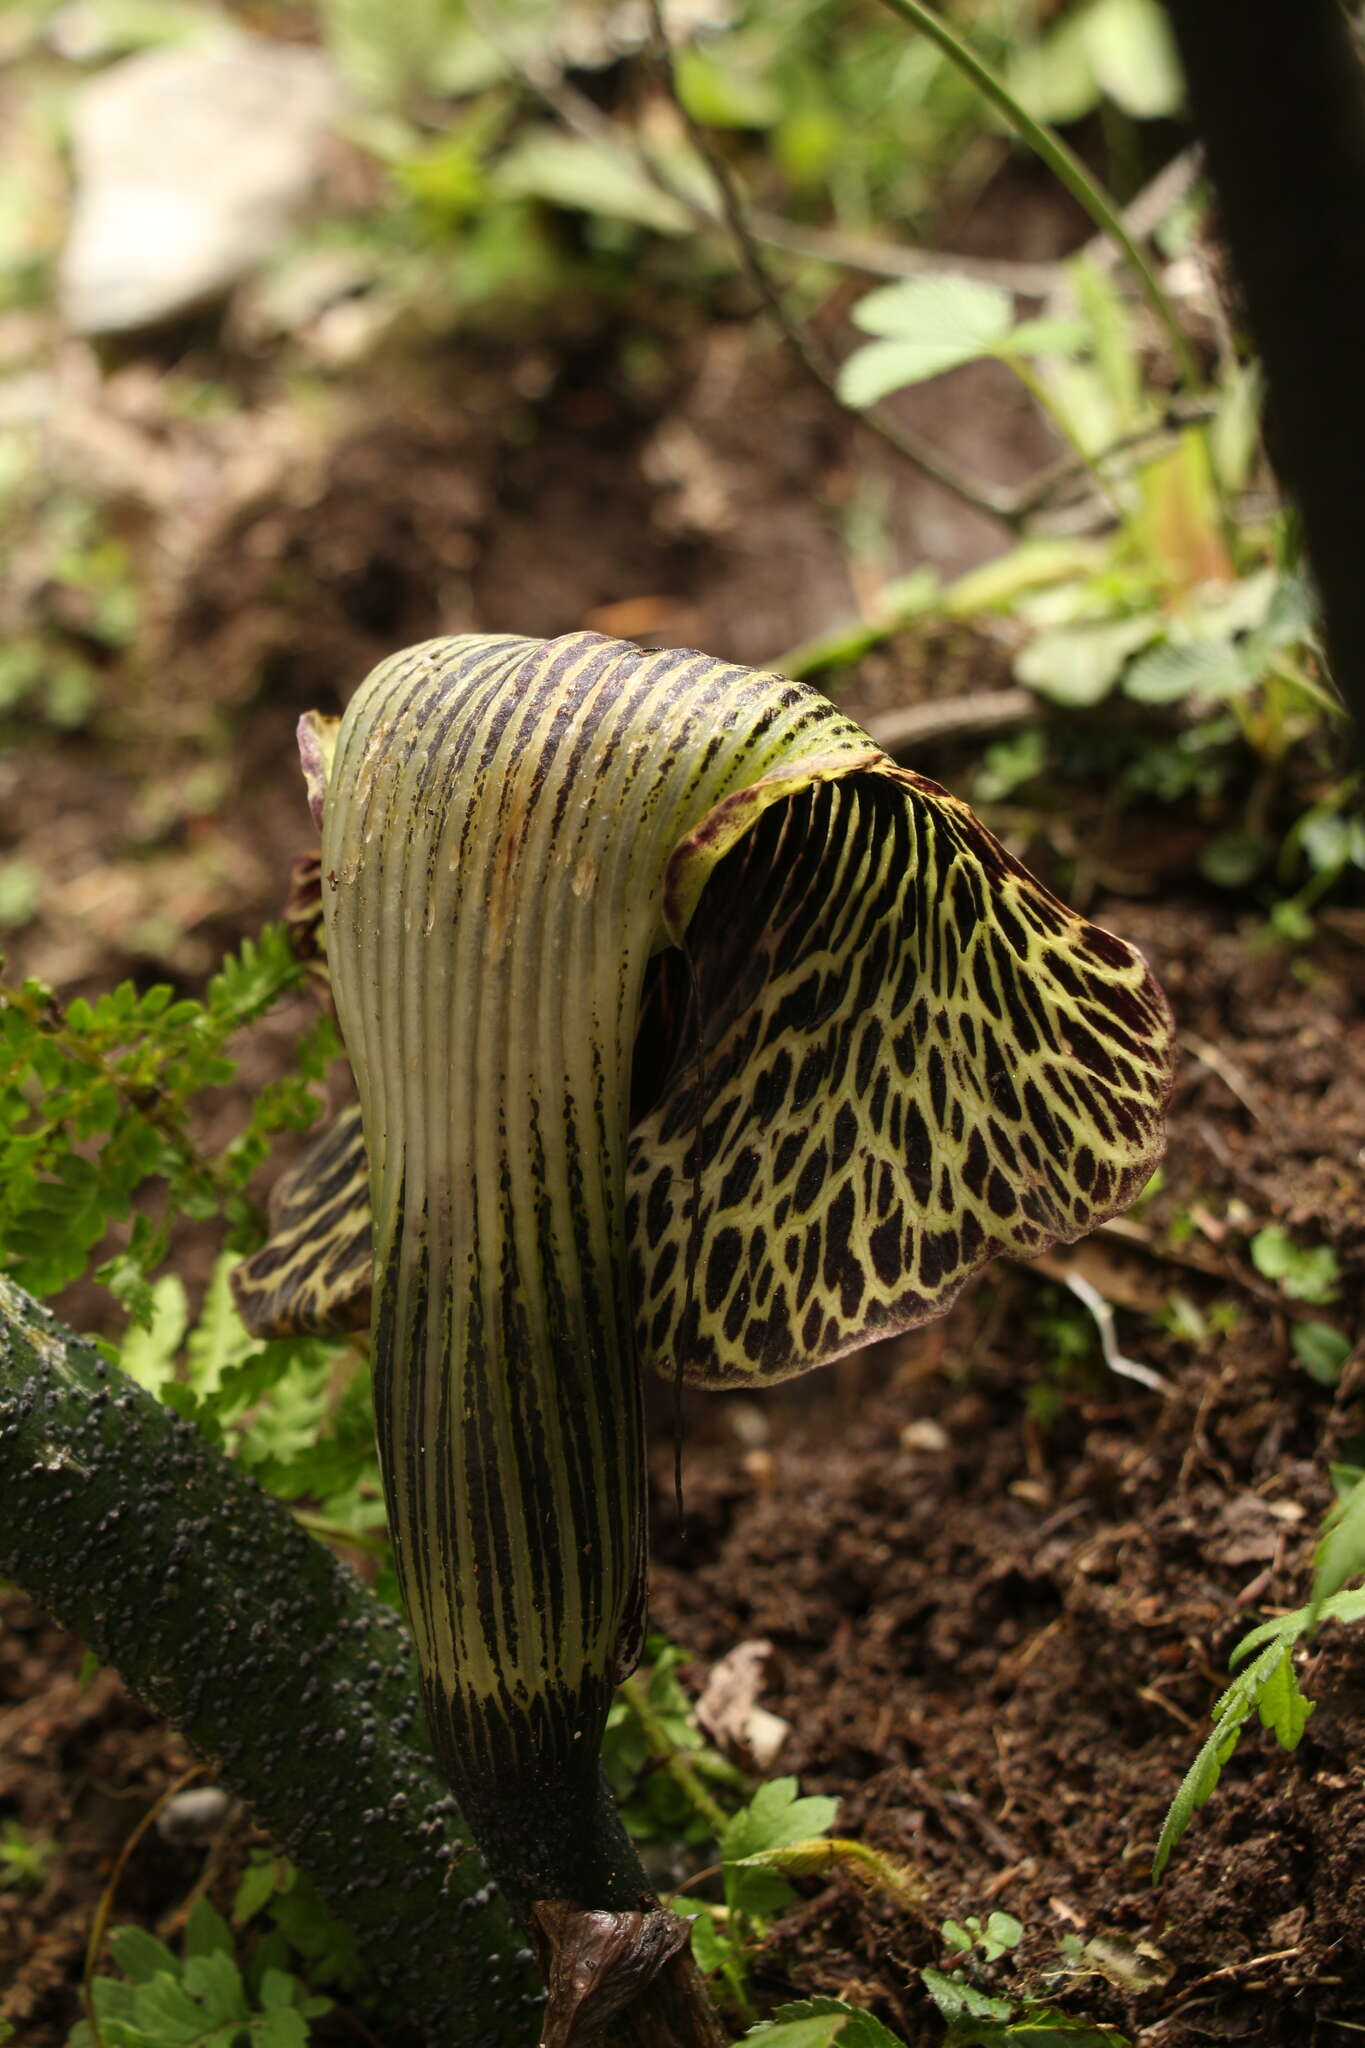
{"x": 1000, "y": 1583}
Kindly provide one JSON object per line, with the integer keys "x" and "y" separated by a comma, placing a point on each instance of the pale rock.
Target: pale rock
{"x": 191, "y": 166}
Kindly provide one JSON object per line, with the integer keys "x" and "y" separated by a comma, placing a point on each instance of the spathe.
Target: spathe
{"x": 914, "y": 1058}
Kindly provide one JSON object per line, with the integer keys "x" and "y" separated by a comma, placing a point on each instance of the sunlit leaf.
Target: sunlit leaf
{"x": 1079, "y": 665}
{"x": 1131, "y": 49}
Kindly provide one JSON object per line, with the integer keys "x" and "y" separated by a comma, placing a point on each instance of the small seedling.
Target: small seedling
{"x": 1302, "y": 1272}
{"x": 167, "y": 2001}
{"x": 25, "y": 1858}
{"x": 1000, "y": 1933}
{"x": 1268, "y": 1685}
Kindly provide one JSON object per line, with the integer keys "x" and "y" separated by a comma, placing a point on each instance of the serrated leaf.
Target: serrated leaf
{"x": 148, "y": 1355}
{"x": 861, "y": 2029}
{"x": 219, "y": 1340}
{"x": 283, "y": 2027}
{"x": 215, "y": 1981}
{"x": 1281, "y": 1705}
{"x": 1287, "y": 1628}
{"x": 278, "y": 1988}
{"x": 929, "y": 325}
{"x": 112, "y": 1998}
{"x": 775, "y": 1818}
{"x": 942, "y": 311}
{"x": 956, "y": 1999}
{"x": 816, "y": 2033}
{"x": 207, "y": 1932}
{"x": 169, "y": 2014}
{"x": 1196, "y": 1788}
{"x": 140, "y": 1955}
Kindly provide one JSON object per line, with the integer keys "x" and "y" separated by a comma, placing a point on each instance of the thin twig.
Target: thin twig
{"x": 951, "y": 718}
{"x": 666, "y": 1752}
{"x": 1103, "y": 1316}
{"x": 104, "y": 1909}
{"x": 749, "y": 228}
{"x": 803, "y": 347}
{"x": 1062, "y": 161}
{"x": 900, "y": 259}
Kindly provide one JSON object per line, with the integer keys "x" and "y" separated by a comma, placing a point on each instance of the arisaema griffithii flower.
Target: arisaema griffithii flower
{"x": 691, "y": 1032}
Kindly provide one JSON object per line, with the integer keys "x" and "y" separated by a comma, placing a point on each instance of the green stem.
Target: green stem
{"x": 1043, "y": 399}
{"x": 635, "y": 1691}
{"x": 1062, "y": 161}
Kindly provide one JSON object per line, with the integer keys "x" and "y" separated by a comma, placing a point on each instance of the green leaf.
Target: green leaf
{"x": 1113, "y": 342}
{"x": 1055, "y": 78}
{"x": 219, "y": 1340}
{"x": 258, "y": 1885}
{"x": 1281, "y": 1705}
{"x": 760, "y": 1893}
{"x": 587, "y": 177}
{"x": 148, "y": 1355}
{"x": 140, "y": 1955}
{"x": 1266, "y": 1686}
{"x": 1197, "y": 1786}
{"x": 1287, "y": 1628}
{"x": 1194, "y": 668}
{"x": 721, "y": 91}
{"x": 816, "y": 2033}
{"x": 1322, "y": 1351}
{"x": 931, "y": 324}
{"x": 1340, "y": 1554}
{"x": 1234, "y": 858}
{"x": 215, "y": 1981}
{"x": 1043, "y": 338}
{"x": 942, "y": 311}
{"x": 283, "y": 2027}
{"x": 775, "y": 1818}
{"x": 1132, "y": 53}
{"x": 279, "y": 1988}
{"x": 1304, "y": 1273}
{"x": 1079, "y": 665}
{"x": 956, "y": 1999}
{"x": 168, "y": 2013}
{"x": 860, "y": 2031}
{"x": 207, "y": 1932}
{"x": 1004, "y": 1931}
{"x": 710, "y": 1946}
{"x": 1037, "y": 2026}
